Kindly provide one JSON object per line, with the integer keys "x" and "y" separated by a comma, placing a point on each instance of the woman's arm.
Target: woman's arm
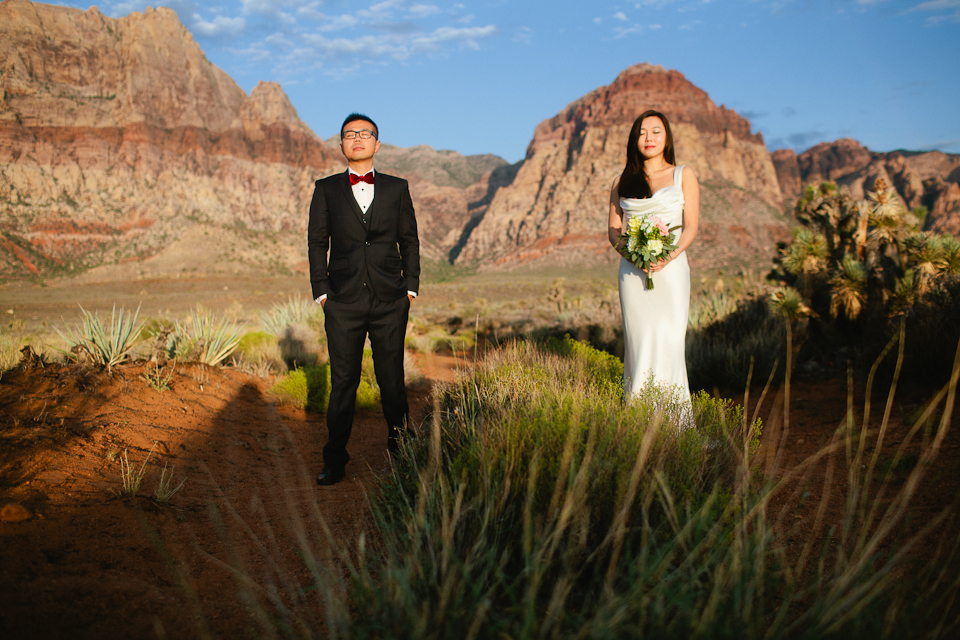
{"x": 615, "y": 222}
{"x": 691, "y": 217}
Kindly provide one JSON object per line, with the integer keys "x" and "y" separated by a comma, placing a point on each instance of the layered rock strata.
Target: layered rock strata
{"x": 117, "y": 136}
{"x": 556, "y": 207}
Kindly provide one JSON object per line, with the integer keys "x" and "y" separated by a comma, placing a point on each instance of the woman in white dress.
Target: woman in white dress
{"x": 655, "y": 320}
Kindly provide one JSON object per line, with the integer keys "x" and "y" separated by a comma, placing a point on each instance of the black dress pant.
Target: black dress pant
{"x": 347, "y": 325}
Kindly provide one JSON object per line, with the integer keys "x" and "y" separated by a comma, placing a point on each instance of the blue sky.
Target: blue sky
{"x": 477, "y": 76}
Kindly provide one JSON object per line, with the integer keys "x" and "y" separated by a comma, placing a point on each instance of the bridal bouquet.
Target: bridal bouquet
{"x": 648, "y": 240}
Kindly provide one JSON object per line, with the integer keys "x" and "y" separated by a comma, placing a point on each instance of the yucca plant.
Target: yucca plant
{"x": 866, "y": 259}
{"x": 106, "y": 344}
{"x": 295, "y": 311}
{"x": 205, "y": 339}
{"x": 848, "y": 287}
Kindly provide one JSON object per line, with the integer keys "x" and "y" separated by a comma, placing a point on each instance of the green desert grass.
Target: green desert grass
{"x": 309, "y": 387}
{"x": 536, "y": 504}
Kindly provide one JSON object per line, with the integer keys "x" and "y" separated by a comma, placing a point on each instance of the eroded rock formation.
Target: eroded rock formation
{"x": 930, "y": 179}
{"x": 117, "y": 136}
{"x": 556, "y": 207}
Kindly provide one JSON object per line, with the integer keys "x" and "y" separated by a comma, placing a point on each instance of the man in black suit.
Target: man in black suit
{"x": 367, "y": 222}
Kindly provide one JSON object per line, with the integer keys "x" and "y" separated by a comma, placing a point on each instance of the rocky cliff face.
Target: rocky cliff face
{"x": 125, "y": 153}
{"x": 556, "y": 207}
{"x": 930, "y": 179}
{"x": 118, "y": 136}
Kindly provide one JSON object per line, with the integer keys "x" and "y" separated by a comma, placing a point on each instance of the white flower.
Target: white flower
{"x": 655, "y": 247}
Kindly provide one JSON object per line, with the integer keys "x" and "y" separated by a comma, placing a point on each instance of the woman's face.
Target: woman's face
{"x": 653, "y": 137}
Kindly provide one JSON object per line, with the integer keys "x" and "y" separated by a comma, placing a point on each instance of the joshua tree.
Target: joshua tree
{"x": 862, "y": 255}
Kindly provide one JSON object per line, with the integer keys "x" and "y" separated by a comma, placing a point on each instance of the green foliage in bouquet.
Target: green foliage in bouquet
{"x": 645, "y": 241}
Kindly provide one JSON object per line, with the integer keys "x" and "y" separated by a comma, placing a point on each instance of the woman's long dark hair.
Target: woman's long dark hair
{"x": 633, "y": 181}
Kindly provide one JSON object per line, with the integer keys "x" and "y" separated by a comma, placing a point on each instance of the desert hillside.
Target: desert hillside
{"x": 555, "y": 208}
{"x": 125, "y": 153}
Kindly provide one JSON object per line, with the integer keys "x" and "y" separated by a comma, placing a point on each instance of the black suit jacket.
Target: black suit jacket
{"x": 380, "y": 247}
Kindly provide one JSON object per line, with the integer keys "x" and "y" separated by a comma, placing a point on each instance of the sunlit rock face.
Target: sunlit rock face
{"x": 929, "y": 178}
{"x": 555, "y": 210}
{"x": 119, "y": 136}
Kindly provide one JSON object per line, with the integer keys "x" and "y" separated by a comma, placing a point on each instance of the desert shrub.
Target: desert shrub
{"x": 298, "y": 326}
{"x": 368, "y": 393}
{"x": 711, "y": 307}
{"x": 13, "y": 339}
{"x": 438, "y": 339}
{"x": 306, "y": 387}
{"x": 9, "y": 351}
{"x": 205, "y": 338}
{"x": 253, "y": 343}
{"x": 296, "y": 310}
{"x": 719, "y": 355}
{"x": 541, "y": 505}
{"x": 538, "y": 505}
{"x": 105, "y": 344}
{"x": 309, "y": 386}
{"x": 258, "y": 352}
{"x": 857, "y": 265}
{"x": 932, "y": 333}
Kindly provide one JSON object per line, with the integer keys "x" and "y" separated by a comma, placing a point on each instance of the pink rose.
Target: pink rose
{"x": 662, "y": 228}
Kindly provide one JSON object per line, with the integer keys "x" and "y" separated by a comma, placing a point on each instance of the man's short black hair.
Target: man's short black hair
{"x": 360, "y": 116}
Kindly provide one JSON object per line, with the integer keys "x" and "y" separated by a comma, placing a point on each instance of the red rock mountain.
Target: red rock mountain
{"x": 125, "y": 153}
{"x": 556, "y": 207}
{"x": 930, "y": 179}
{"x": 120, "y": 141}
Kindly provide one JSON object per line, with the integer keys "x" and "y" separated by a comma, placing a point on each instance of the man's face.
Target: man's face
{"x": 357, "y": 149}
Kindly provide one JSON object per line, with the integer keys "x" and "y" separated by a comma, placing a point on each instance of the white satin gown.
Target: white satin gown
{"x": 655, "y": 320}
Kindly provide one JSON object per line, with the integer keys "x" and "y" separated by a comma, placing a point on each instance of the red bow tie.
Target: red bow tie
{"x": 354, "y": 178}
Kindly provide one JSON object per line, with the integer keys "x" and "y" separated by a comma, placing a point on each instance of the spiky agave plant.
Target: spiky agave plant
{"x": 107, "y": 345}
{"x": 206, "y": 338}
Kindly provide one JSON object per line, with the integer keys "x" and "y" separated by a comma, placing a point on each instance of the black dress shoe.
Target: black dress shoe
{"x": 330, "y": 475}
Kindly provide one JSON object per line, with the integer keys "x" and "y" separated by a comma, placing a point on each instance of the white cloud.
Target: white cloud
{"x": 398, "y": 46}
{"x": 280, "y": 40}
{"x": 220, "y": 25}
{"x": 622, "y": 32}
{"x": 327, "y": 23}
{"x": 424, "y": 10}
{"x": 385, "y": 31}
{"x": 620, "y": 15}
{"x": 272, "y": 7}
{"x": 948, "y": 10}
{"x": 522, "y": 34}
{"x": 468, "y": 36}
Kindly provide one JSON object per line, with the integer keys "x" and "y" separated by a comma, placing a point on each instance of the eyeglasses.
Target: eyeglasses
{"x": 363, "y": 134}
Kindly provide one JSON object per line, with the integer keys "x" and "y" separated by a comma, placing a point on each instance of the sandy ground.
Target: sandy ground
{"x": 88, "y": 563}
